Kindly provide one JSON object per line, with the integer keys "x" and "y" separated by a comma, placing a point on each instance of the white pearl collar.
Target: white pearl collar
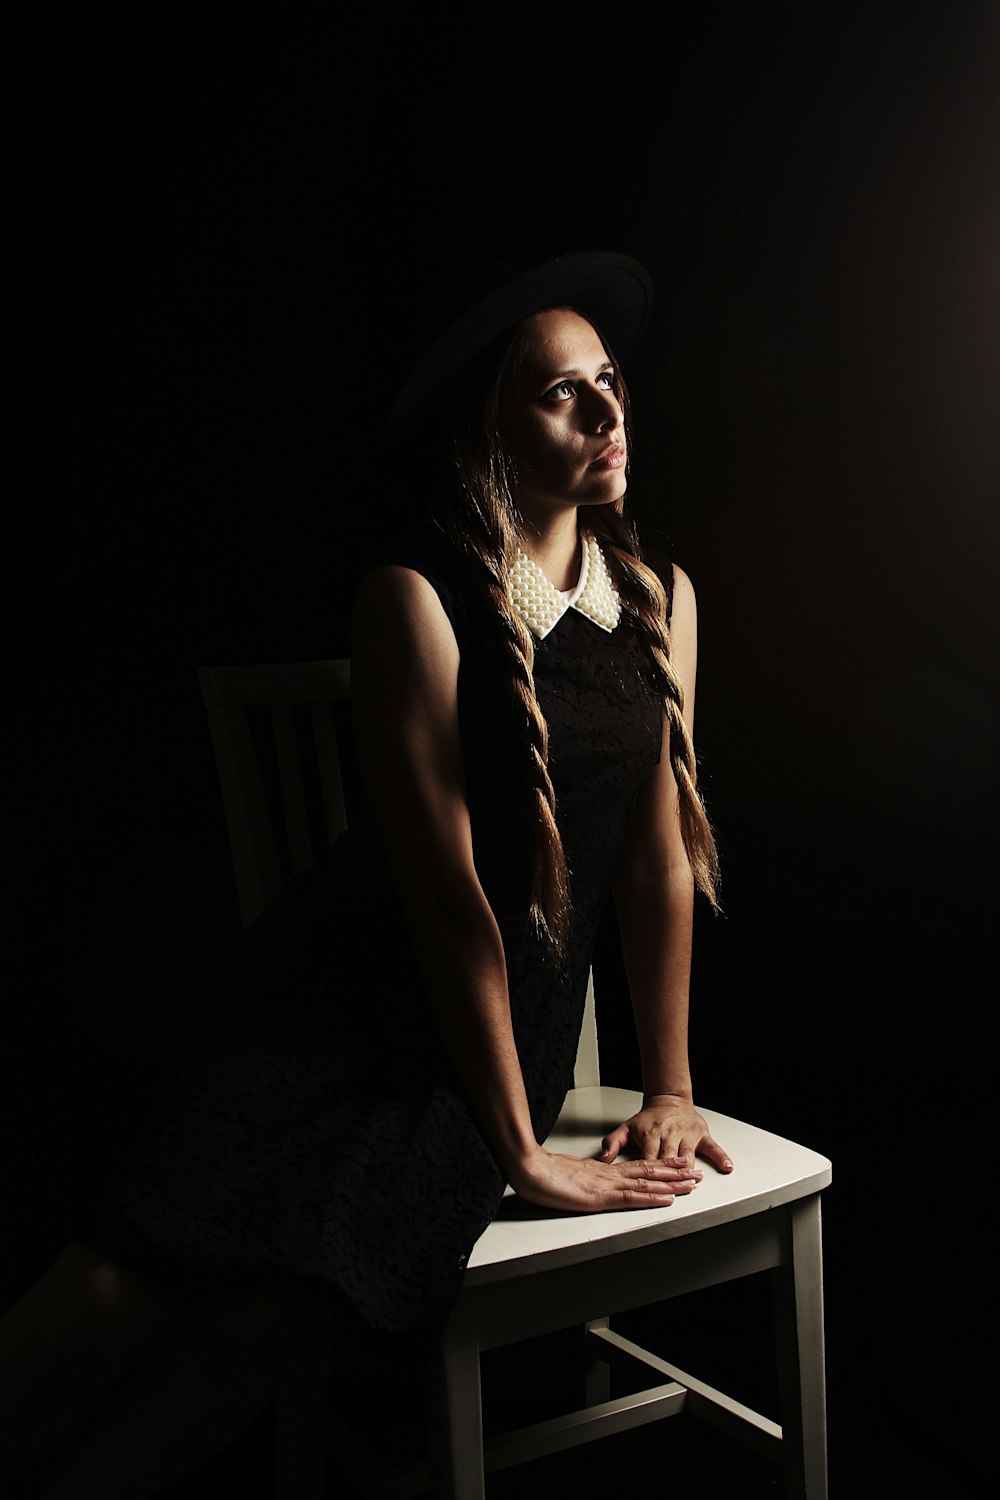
{"x": 541, "y": 605}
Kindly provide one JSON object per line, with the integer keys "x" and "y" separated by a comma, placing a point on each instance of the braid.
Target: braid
{"x": 482, "y": 525}
{"x": 644, "y": 599}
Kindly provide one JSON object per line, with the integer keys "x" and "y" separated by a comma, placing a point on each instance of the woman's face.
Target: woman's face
{"x": 567, "y": 432}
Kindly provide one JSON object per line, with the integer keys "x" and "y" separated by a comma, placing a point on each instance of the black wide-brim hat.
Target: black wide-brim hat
{"x": 612, "y": 291}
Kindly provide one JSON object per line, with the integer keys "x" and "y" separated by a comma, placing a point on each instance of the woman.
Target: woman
{"x": 545, "y": 472}
{"x": 523, "y": 721}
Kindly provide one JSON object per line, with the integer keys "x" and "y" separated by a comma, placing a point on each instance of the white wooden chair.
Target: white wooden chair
{"x": 534, "y": 1272}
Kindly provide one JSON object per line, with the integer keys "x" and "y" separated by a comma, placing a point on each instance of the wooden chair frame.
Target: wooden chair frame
{"x": 532, "y": 1273}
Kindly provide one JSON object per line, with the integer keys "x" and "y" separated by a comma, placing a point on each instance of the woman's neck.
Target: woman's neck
{"x": 553, "y": 542}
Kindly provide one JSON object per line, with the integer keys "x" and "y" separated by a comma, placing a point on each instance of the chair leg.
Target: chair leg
{"x": 454, "y": 1417}
{"x": 303, "y": 1404}
{"x": 797, "y": 1290}
{"x": 596, "y": 1371}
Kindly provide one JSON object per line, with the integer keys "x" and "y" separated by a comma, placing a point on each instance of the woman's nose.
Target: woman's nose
{"x": 607, "y": 413}
{"x": 601, "y": 410}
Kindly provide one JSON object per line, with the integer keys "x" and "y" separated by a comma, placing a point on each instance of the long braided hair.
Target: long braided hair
{"x": 483, "y": 521}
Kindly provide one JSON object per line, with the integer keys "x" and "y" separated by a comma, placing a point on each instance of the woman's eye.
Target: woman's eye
{"x": 561, "y": 392}
{"x": 608, "y": 377}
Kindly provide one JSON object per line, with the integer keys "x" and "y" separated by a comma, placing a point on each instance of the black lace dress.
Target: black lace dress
{"x": 327, "y": 1136}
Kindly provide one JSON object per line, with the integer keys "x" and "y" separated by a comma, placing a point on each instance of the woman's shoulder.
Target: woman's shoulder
{"x": 424, "y": 548}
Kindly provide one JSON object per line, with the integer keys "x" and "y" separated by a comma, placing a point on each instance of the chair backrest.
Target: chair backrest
{"x": 229, "y": 694}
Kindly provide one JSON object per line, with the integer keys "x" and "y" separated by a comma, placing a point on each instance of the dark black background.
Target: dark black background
{"x": 245, "y": 218}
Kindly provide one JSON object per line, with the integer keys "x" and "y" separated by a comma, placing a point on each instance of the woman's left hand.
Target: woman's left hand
{"x": 668, "y": 1128}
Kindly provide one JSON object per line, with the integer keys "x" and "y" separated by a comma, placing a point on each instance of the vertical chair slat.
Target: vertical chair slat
{"x": 328, "y": 761}
{"x": 255, "y": 858}
{"x": 293, "y": 795}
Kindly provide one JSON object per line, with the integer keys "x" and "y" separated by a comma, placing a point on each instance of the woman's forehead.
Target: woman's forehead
{"x": 562, "y": 336}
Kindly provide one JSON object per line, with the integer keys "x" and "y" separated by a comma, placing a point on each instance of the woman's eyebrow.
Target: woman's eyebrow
{"x": 565, "y": 374}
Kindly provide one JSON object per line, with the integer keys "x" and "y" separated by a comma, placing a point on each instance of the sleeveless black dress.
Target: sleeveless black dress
{"x": 324, "y": 1134}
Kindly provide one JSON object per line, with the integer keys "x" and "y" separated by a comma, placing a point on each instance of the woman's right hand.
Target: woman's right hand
{"x": 578, "y": 1185}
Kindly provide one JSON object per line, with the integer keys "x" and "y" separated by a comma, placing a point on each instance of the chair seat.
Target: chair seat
{"x": 523, "y": 1239}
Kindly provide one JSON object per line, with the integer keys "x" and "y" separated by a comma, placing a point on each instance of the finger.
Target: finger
{"x": 675, "y": 1170}
{"x": 683, "y": 1179}
{"x": 614, "y": 1143}
{"x": 659, "y": 1172}
{"x": 650, "y": 1146}
{"x": 628, "y": 1198}
{"x": 674, "y": 1149}
{"x": 713, "y": 1152}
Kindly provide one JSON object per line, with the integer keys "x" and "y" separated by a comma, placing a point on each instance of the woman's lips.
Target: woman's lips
{"x": 611, "y": 458}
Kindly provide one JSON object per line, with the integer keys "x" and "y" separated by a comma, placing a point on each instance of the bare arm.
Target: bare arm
{"x": 654, "y": 896}
{"x": 405, "y": 673}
